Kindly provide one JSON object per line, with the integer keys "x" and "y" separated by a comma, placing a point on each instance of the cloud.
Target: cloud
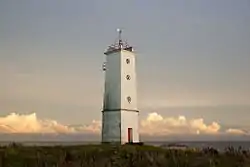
{"x": 93, "y": 127}
{"x": 235, "y": 131}
{"x": 153, "y": 124}
{"x": 17, "y": 123}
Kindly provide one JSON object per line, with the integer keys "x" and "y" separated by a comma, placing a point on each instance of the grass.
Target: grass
{"x": 119, "y": 156}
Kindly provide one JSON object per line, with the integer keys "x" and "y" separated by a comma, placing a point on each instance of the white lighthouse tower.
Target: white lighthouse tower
{"x": 120, "y": 114}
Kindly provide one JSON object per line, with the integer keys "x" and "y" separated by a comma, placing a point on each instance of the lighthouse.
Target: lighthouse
{"x": 120, "y": 114}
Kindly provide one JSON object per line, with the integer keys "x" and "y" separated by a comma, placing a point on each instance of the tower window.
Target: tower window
{"x": 127, "y": 61}
{"x": 129, "y": 99}
{"x": 128, "y": 77}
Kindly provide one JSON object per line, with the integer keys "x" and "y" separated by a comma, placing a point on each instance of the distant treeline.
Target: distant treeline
{"x": 16, "y": 155}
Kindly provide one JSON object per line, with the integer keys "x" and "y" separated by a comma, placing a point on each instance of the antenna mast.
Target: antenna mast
{"x": 120, "y": 38}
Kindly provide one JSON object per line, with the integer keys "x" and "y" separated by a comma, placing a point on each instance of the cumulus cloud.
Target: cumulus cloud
{"x": 235, "y": 131}
{"x": 29, "y": 123}
{"x": 153, "y": 124}
{"x": 156, "y": 124}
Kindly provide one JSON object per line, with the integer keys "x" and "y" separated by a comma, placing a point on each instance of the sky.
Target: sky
{"x": 192, "y": 62}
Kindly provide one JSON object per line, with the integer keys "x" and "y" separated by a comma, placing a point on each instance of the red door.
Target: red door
{"x": 130, "y": 135}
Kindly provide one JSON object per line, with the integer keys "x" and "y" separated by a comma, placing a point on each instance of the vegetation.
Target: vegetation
{"x": 16, "y": 155}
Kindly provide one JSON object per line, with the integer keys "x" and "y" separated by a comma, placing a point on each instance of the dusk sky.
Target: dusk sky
{"x": 193, "y": 60}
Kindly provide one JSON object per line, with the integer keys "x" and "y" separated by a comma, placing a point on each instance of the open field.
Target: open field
{"x": 16, "y": 155}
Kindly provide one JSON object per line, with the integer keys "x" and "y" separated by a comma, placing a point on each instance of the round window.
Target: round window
{"x": 127, "y": 61}
{"x": 129, "y": 99}
{"x": 128, "y": 77}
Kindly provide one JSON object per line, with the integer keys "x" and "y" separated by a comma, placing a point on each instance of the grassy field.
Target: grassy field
{"x": 119, "y": 156}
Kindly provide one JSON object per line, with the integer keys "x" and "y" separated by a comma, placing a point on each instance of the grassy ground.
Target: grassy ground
{"x": 118, "y": 156}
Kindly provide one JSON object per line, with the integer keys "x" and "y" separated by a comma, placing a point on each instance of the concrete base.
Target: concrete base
{"x": 137, "y": 143}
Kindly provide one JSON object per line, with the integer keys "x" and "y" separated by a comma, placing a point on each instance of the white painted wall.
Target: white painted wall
{"x": 128, "y": 87}
{"x": 129, "y": 120}
{"x": 111, "y": 127}
{"x": 112, "y": 91}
